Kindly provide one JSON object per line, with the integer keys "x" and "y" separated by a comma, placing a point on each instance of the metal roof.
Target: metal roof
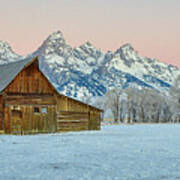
{"x": 9, "y": 71}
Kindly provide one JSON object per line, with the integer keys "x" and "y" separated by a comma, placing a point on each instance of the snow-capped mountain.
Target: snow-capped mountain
{"x": 7, "y": 54}
{"x": 87, "y": 71}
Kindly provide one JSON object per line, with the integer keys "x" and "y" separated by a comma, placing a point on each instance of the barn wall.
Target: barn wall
{"x": 1, "y": 113}
{"x": 67, "y": 104}
{"x": 74, "y": 116}
{"x": 72, "y": 121}
{"x": 71, "y": 115}
{"x": 21, "y": 118}
{"x": 94, "y": 119}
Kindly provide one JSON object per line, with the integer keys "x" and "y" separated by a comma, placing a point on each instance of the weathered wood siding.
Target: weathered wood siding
{"x": 29, "y": 90}
{"x": 30, "y": 80}
{"x": 75, "y": 116}
{"x": 30, "y": 99}
{"x": 94, "y": 120}
{"x": 1, "y": 113}
{"x": 25, "y": 121}
{"x": 30, "y": 121}
{"x": 67, "y": 104}
{"x": 72, "y": 121}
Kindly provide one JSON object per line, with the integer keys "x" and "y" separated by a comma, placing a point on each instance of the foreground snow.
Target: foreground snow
{"x": 148, "y": 152}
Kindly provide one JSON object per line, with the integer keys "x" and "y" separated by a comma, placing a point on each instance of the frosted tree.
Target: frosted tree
{"x": 123, "y": 111}
{"x": 166, "y": 113}
{"x": 152, "y": 103}
{"x": 144, "y": 105}
{"x": 113, "y": 102}
{"x": 133, "y": 97}
{"x": 100, "y": 102}
{"x": 175, "y": 95}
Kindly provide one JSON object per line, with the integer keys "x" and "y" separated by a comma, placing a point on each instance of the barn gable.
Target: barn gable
{"x": 10, "y": 71}
{"x": 30, "y": 80}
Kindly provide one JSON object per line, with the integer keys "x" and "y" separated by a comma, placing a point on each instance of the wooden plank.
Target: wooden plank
{"x": 30, "y": 104}
{"x": 59, "y": 125}
{"x": 28, "y": 95}
{"x": 72, "y": 127}
{"x": 71, "y": 112}
{"x": 52, "y": 117}
{"x": 1, "y": 120}
{"x": 70, "y": 130}
{"x": 1, "y": 113}
{"x": 74, "y": 120}
{"x": 7, "y": 121}
{"x": 30, "y": 101}
{"x": 72, "y": 117}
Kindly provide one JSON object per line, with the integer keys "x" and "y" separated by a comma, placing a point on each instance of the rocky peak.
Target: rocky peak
{"x": 87, "y": 45}
{"x": 55, "y": 44}
{"x": 55, "y": 37}
{"x": 4, "y": 45}
{"x": 7, "y": 54}
{"x": 89, "y": 50}
{"x": 125, "y": 48}
{"x": 128, "y": 54}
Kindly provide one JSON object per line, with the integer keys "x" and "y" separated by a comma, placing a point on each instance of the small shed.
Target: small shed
{"x": 30, "y": 104}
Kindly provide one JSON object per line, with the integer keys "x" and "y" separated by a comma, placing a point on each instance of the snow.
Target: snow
{"x": 132, "y": 152}
{"x": 7, "y": 55}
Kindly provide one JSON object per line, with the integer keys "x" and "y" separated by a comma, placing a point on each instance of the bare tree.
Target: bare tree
{"x": 175, "y": 95}
{"x": 113, "y": 102}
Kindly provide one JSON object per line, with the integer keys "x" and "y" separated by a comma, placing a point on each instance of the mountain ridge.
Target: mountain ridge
{"x": 87, "y": 71}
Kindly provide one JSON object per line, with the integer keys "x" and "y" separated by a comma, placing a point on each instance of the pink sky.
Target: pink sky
{"x": 152, "y": 27}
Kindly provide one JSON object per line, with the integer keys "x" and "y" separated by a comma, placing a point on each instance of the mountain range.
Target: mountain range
{"x": 86, "y": 71}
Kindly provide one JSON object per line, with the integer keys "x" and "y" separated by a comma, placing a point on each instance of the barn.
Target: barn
{"x": 30, "y": 104}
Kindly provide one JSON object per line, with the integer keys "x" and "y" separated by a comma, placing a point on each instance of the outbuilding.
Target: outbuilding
{"x": 30, "y": 104}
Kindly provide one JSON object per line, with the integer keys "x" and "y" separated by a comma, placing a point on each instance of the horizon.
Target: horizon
{"x": 152, "y": 28}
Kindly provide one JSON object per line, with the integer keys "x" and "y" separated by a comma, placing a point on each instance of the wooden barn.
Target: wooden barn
{"x": 30, "y": 104}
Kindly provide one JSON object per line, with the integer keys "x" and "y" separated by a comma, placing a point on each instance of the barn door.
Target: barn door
{"x": 43, "y": 119}
{"x": 48, "y": 119}
{"x": 16, "y": 121}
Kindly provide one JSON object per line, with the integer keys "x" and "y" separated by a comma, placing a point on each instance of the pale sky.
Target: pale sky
{"x": 151, "y": 26}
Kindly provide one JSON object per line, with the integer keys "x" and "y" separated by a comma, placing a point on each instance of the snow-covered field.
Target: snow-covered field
{"x": 134, "y": 152}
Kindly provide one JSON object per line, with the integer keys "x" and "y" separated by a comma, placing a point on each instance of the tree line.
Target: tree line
{"x": 135, "y": 105}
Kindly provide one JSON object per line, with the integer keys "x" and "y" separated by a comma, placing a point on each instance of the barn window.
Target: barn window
{"x": 44, "y": 110}
{"x": 36, "y": 110}
{"x": 15, "y": 108}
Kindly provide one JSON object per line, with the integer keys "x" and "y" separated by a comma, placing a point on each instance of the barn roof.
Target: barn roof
{"x": 9, "y": 71}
